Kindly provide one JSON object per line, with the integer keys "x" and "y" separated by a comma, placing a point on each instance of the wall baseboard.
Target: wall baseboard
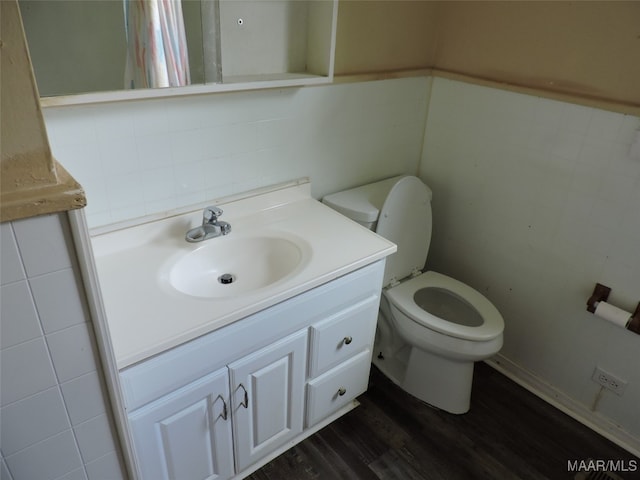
{"x": 566, "y": 404}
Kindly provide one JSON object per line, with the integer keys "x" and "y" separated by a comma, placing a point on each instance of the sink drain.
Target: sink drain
{"x": 226, "y": 278}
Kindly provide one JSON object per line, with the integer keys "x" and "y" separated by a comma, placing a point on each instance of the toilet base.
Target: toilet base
{"x": 440, "y": 382}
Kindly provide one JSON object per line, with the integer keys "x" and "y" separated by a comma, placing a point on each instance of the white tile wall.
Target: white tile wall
{"x": 4, "y": 471}
{"x": 103, "y": 467}
{"x": 69, "y": 352}
{"x": 94, "y": 438}
{"x": 83, "y": 398}
{"x": 144, "y": 157}
{"x": 46, "y": 414}
{"x": 534, "y": 202}
{"x": 25, "y": 369}
{"x": 78, "y": 474}
{"x": 53, "y": 417}
{"x": 56, "y": 299}
{"x": 36, "y": 258}
{"x": 17, "y": 302}
{"x": 11, "y": 265}
{"x": 46, "y": 460}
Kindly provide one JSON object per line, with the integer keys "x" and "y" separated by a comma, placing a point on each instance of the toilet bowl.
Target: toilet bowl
{"x": 431, "y": 327}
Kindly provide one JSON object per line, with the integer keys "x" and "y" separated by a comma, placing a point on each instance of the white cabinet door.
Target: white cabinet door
{"x": 267, "y": 391}
{"x": 186, "y": 434}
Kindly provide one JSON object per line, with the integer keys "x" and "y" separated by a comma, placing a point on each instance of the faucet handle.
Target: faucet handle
{"x": 211, "y": 214}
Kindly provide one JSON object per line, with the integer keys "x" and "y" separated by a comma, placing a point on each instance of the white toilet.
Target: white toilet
{"x": 431, "y": 327}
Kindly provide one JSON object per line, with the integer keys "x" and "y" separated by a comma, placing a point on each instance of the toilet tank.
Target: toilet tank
{"x": 362, "y": 204}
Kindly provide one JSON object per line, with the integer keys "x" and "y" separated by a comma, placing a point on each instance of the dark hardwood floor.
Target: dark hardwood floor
{"x": 508, "y": 434}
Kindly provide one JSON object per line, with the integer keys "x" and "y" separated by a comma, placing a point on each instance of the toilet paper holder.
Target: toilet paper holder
{"x": 601, "y": 294}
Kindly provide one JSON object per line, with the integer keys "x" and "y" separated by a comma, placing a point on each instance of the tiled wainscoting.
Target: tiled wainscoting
{"x": 142, "y": 157}
{"x": 54, "y": 420}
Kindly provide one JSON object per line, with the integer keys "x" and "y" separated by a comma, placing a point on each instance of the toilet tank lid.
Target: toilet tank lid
{"x": 362, "y": 204}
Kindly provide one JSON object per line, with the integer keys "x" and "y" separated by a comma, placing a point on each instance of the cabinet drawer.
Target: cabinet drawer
{"x": 337, "y": 387}
{"x": 342, "y": 335}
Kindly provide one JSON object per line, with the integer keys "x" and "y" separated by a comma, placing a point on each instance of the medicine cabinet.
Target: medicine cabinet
{"x": 79, "y": 49}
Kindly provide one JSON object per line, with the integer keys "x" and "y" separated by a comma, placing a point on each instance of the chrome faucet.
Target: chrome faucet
{"x": 211, "y": 227}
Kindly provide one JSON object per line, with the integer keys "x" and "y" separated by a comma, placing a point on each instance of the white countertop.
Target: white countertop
{"x": 147, "y": 316}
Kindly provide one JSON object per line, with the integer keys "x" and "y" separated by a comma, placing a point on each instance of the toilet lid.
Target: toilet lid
{"x": 447, "y": 306}
{"x": 405, "y": 219}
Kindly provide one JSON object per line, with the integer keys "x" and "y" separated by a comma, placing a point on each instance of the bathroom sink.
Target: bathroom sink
{"x": 161, "y": 291}
{"x": 231, "y": 266}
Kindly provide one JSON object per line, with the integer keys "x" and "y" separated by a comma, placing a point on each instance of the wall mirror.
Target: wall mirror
{"x": 142, "y": 48}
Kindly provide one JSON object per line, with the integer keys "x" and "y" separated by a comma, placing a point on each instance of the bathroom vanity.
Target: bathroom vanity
{"x": 216, "y": 379}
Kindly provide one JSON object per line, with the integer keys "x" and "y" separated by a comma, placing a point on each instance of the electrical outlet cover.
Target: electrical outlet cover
{"x": 609, "y": 381}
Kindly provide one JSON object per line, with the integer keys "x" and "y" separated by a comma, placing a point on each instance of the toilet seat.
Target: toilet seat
{"x": 402, "y": 297}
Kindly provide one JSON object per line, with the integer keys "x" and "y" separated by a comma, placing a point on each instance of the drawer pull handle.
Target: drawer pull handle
{"x": 347, "y": 340}
{"x": 342, "y": 391}
{"x": 223, "y": 414}
{"x": 245, "y": 402}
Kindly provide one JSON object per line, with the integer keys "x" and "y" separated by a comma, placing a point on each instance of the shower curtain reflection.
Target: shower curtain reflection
{"x": 156, "y": 44}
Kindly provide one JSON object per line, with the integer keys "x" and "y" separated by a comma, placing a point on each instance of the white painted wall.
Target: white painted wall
{"x": 55, "y": 421}
{"x": 534, "y": 202}
{"x": 143, "y": 157}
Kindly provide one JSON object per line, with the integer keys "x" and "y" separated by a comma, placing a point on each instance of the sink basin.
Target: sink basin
{"x": 230, "y": 266}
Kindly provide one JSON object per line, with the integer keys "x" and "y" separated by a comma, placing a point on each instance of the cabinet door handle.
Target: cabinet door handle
{"x": 224, "y": 414}
{"x": 342, "y": 391}
{"x": 245, "y": 402}
{"x": 347, "y": 340}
